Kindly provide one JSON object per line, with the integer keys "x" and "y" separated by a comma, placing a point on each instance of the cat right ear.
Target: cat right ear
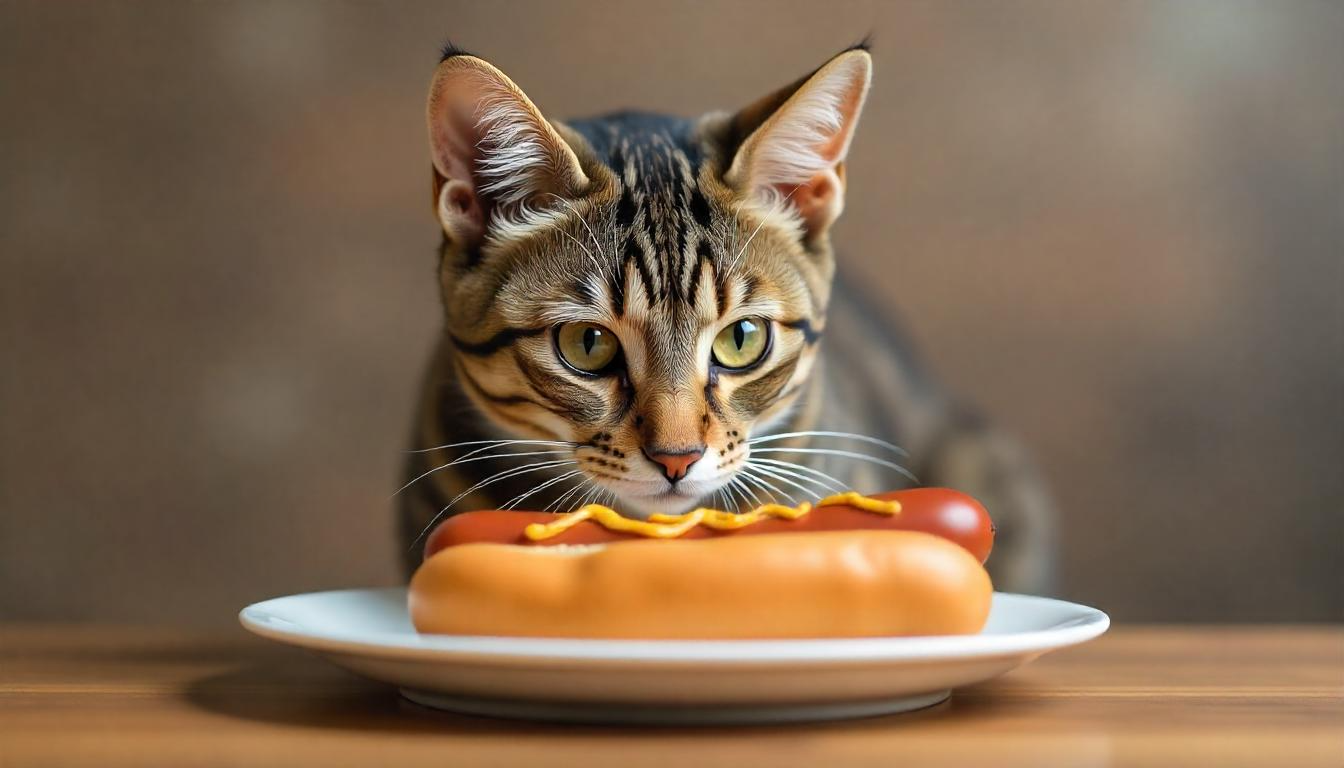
{"x": 496, "y": 157}
{"x": 791, "y": 146}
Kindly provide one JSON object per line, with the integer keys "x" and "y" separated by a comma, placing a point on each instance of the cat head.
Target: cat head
{"x": 648, "y": 288}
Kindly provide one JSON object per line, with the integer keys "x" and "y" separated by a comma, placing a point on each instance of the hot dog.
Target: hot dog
{"x": 941, "y": 511}
{"x": 852, "y": 567}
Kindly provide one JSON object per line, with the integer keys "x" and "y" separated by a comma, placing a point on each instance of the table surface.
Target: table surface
{"x": 108, "y": 696}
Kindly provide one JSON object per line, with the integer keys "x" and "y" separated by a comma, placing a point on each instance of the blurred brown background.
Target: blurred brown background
{"x": 1116, "y": 226}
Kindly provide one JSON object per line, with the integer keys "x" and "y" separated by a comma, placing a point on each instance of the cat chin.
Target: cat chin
{"x": 667, "y": 504}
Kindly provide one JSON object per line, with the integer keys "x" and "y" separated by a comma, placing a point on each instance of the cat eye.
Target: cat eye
{"x": 742, "y": 344}
{"x": 586, "y": 347}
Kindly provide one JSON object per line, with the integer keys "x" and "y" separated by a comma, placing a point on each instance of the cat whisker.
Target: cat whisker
{"x": 559, "y": 501}
{"x": 844, "y": 454}
{"x": 615, "y": 244}
{"x": 783, "y": 477}
{"x": 446, "y": 446}
{"x": 811, "y": 488}
{"x": 585, "y": 490}
{"x": 732, "y": 231}
{"x": 577, "y": 503}
{"x": 774, "y": 208}
{"x": 466, "y": 459}
{"x": 721, "y": 498}
{"x": 491, "y": 480}
{"x": 834, "y": 483}
{"x": 600, "y": 267}
{"x": 728, "y": 501}
{"x": 590, "y": 497}
{"x": 748, "y": 489}
{"x": 742, "y": 489}
{"x": 737, "y": 499}
{"x": 601, "y": 496}
{"x": 733, "y": 504}
{"x": 591, "y": 257}
{"x": 520, "y": 498}
{"x": 823, "y": 433}
{"x": 767, "y": 486}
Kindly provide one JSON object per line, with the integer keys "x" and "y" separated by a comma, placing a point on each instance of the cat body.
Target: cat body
{"x": 642, "y": 310}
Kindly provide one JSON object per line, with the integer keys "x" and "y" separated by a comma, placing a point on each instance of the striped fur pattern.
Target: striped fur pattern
{"x": 664, "y": 231}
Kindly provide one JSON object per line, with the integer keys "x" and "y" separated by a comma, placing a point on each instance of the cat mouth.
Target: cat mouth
{"x": 674, "y": 493}
{"x": 667, "y": 499}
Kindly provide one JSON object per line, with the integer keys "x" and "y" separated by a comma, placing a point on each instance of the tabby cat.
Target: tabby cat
{"x": 641, "y": 310}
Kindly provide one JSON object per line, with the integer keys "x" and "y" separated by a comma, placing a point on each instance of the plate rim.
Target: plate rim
{"x": 260, "y": 619}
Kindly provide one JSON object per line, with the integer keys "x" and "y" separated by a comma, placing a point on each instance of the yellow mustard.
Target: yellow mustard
{"x": 660, "y": 526}
{"x": 859, "y": 501}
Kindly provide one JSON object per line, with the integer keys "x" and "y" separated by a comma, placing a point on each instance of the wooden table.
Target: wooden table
{"x": 103, "y": 696}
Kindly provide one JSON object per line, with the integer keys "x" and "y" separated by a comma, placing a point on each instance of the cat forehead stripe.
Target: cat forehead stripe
{"x": 664, "y": 218}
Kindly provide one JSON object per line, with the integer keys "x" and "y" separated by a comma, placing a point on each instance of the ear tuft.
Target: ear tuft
{"x": 865, "y": 44}
{"x": 497, "y": 160}
{"x": 448, "y": 50}
{"x": 514, "y": 159}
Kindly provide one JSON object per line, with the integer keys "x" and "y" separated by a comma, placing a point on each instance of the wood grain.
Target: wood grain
{"x": 106, "y": 696}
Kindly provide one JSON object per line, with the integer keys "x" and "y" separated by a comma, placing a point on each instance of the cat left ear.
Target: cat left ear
{"x": 496, "y": 158}
{"x": 797, "y": 139}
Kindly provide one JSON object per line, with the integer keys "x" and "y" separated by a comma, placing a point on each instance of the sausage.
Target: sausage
{"x": 940, "y": 511}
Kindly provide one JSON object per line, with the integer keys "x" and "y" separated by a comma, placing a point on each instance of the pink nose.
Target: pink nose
{"x": 676, "y": 465}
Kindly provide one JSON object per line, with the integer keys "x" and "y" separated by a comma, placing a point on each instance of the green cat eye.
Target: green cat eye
{"x": 586, "y": 347}
{"x": 742, "y": 344}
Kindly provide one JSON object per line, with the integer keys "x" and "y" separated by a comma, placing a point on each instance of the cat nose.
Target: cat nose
{"x": 675, "y": 464}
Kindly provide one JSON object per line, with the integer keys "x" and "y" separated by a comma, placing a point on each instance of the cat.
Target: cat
{"x": 643, "y": 310}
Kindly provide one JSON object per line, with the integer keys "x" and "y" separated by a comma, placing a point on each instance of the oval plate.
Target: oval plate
{"x": 678, "y": 682}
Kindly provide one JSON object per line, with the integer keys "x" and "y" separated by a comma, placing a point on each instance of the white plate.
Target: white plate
{"x": 665, "y": 681}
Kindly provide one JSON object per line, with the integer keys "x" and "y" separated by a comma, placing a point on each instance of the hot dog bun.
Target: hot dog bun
{"x": 947, "y": 513}
{"x": 803, "y": 585}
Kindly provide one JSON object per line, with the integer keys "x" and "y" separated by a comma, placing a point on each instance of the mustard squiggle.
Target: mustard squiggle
{"x": 660, "y": 526}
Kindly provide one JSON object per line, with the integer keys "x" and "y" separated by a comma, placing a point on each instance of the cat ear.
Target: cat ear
{"x": 796, "y": 140}
{"x": 497, "y": 160}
